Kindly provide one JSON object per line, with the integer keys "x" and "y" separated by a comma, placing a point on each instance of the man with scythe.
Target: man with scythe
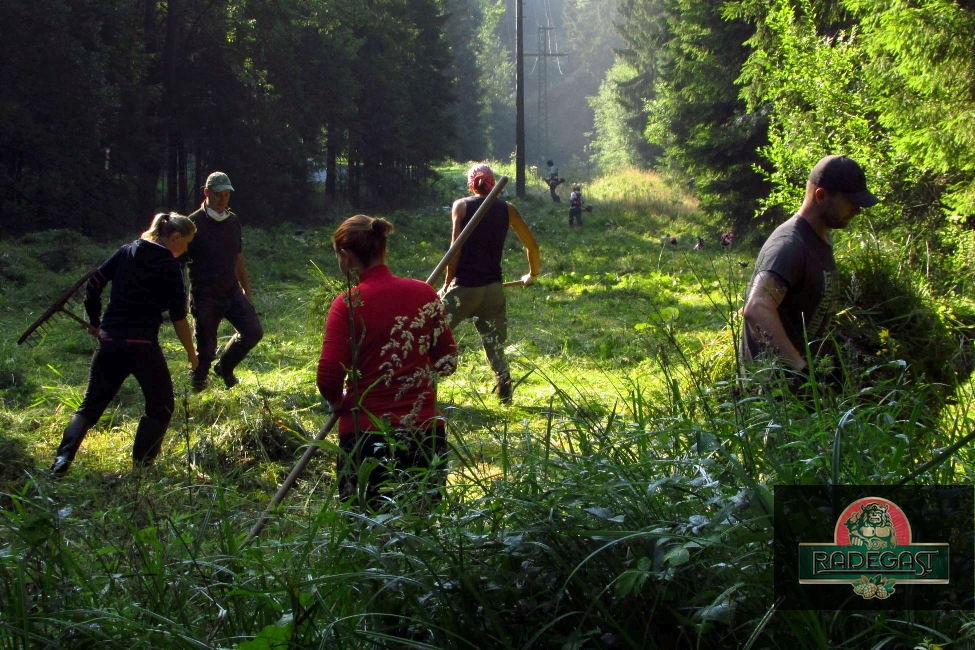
{"x": 472, "y": 287}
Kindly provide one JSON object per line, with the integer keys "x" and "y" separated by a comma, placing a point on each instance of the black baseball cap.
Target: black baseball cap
{"x": 842, "y": 174}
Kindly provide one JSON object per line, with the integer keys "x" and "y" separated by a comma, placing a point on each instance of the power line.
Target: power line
{"x": 543, "y": 54}
{"x": 555, "y": 39}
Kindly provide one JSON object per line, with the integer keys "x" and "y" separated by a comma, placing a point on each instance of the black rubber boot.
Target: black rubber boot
{"x": 227, "y": 374}
{"x": 148, "y": 441}
{"x": 503, "y": 389}
{"x": 231, "y": 356}
{"x": 198, "y": 380}
{"x": 71, "y": 440}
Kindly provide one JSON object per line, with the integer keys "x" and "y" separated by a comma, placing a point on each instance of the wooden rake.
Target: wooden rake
{"x": 59, "y": 308}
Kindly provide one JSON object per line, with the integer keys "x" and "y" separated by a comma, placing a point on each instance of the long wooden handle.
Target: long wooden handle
{"x": 292, "y": 477}
{"x": 468, "y": 229}
{"x": 88, "y": 326}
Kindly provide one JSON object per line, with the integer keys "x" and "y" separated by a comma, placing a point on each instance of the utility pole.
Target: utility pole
{"x": 541, "y": 135}
{"x": 519, "y": 102}
{"x": 520, "y": 55}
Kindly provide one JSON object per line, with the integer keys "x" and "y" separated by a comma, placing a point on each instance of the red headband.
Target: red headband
{"x": 480, "y": 178}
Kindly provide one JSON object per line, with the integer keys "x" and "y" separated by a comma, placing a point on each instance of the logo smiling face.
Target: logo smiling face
{"x": 871, "y": 527}
{"x": 876, "y": 512}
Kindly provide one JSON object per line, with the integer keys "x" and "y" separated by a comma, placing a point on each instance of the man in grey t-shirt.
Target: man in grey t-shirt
{"x": 793, "y": 291}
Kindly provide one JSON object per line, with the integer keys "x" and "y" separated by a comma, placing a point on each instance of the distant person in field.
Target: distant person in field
{"x": 793, "y": 292}
{"x": 146, "y": 282}
{"x": 699, "y": 245}
{"x": 554, "y": 181}
{"x": 472, "y": 287}
{"x": 575, "y": 205}
{"x": 219, "y": 285}
{"x": 386, "y": 343}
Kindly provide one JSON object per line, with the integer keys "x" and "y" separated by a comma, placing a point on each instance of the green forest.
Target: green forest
{"x": 627, "y": 497}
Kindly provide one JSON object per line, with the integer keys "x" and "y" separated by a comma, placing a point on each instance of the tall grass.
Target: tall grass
{"x": 595, "y": 531}
{"x": 624, "y": 502}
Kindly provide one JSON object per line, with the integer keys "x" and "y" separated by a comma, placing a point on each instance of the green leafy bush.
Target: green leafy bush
{"x": 893, "y": 314}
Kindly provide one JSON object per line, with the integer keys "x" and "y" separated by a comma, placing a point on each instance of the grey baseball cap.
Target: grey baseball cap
{"x": 218, "y": 182}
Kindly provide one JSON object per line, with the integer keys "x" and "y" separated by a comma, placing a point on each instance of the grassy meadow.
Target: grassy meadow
{"x": 622, "y": 501}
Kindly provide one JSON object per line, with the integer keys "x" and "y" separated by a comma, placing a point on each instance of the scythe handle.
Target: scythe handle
{"x": 292, "y": 477}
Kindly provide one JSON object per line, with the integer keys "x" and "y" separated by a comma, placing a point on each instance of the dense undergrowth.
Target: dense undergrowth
{"x": 623, "y": 502}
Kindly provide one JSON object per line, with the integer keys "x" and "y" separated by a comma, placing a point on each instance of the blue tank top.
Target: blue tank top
{"x": 480, "y": 257}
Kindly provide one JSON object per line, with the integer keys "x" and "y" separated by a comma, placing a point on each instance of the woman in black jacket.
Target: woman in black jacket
{"x": 146, "y": 281}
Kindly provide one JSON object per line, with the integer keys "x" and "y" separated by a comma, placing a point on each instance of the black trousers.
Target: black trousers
{"x": 575, "y": 215}
{"x": 553, "y": 184}
{"x": 113, "y": 362}
{"x": 373, "y": 463}
{"x": 208, "y": 311}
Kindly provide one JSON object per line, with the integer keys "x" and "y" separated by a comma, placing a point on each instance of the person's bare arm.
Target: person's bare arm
{"x": 241, "y": 270}
{"x": 186, "y": 338}
{"x": 457, "y": 212}
{"x": 528, "y": 241}
{"x": 762, "y": 317}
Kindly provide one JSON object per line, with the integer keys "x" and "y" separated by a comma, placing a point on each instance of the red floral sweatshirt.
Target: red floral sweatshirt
{"x": 402, "y": 344}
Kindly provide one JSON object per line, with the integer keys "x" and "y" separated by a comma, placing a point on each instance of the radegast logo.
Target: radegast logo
{"x": 874, "y": 547}
{"x": 872, "y": 551}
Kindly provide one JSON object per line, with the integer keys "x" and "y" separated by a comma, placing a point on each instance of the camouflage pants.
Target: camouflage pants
{"x": 486, "y": 307}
